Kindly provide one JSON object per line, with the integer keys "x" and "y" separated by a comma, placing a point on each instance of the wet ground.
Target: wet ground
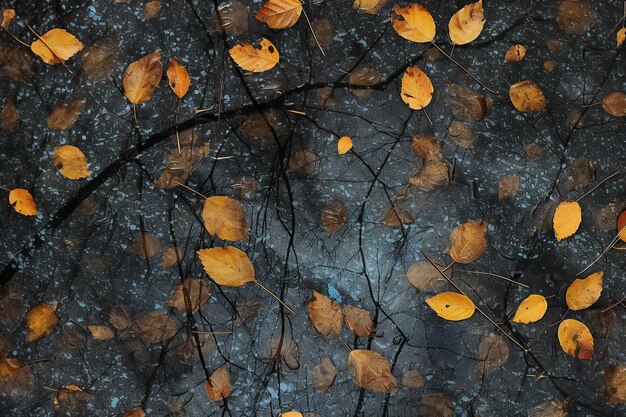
{"x": 87, "y": 247}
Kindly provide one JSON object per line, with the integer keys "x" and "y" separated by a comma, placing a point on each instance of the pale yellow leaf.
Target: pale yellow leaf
{"x": 227, "y": 266}
{"x": 413, "y": 22}
{"x": 567, "y": 218}
{"x": 583, "y": 293}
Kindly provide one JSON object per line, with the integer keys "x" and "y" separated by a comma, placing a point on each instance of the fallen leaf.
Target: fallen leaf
{"x": 527, "y": 97}
{"x": 22, "y": 202}
{"x": 359, "y": 321}
{"x": 575, "y": 17}
{"x": 151, "y": 10}
{"x": 567, "y": 218}
{"x": 178, "y": 78}
{"x": 325, "y": 315}
{"x": 412, "y": 378}
{"x": 508, "y": 187}
{"x": 324, "y": 375}
{"x": 580, "y": 174}
{"x": 363, "y": 77}
{"x": 575, "y": 339}
{"x": 434, "y": 405}
{"x": 15, "y": 63}
{"x": 615, "y": 104}
{"x": 426, "y": 147}
{"x": 621, "y": 226}
{"x": 280, "y": 14}
{"x": 119, "y": 319}
{"x": 218, "y": 386}
{"x": 533, "y": 151}
{"x": 180, "y": 165}
{"x": 232, "y": 19}
{"x": 155, "y": 327}
{"x": 334, "y": 216}
{"x": 431, "y": 175}
{"x": 466, "y": 104}
{"x": 284, "y": 349}
{"x": 615, "y": 384}
{"x": 466, "y": 24}
{"x": 56, "y": 46}
{"x": 425, "y": 277}
{"x": 189, "y": 296}
{"x": 369, "y": 6}
{"x": 467, "y": 241}
{"x": 101, "y": 333}
{"x": 70, "y": 399}
{"x": 16, "y": 380}
{"x": 549, "y": 65}
{"x": 302, "y": 162}
{"x": 532, "y": 309}
{"x": 323, "y": 29}
{"x": 344, "y": 145}
{"x": 254, "y": 59}
{"x": 135, "y": 412}
{"x": 417, "y": 90}
{"x": 70, "y": 162}
{"x": 515, "y": 53}
{"x": 550, "y": 409}
{"x": 493, "y": 352}
{"x": 461, "y": 134}
{"x": 452, "y": 306}
{"x": 142, "y": 77}
{"x": 41, "y": 321}
{"x": 170, "y": 257}
{"x": 64, "y": 115}
{"x": 7, "y": 17}
{"x": 227, "y": 266}
{"x": 225, "y": 218}
{"x": 9, "y": 117}
{"x": 371, "y": 371}
{"x": 101, "y": 60}
{"x": 397, "y": 217}
{"x": 145, "y": 245}
{"x": 291, "y": 414}
{"x": 583, "y": 293}
{"x": 413, "y": 22}
{"x": 620, "y": 36}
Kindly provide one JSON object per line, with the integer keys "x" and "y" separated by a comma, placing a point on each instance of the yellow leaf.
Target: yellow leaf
{"x": 178, "y": 78}
{"x": 325, "y": 315}
{"x": 621, "y": 36}
{"x": 254, "y": 59}
{"x": 22, "y": 202}
{"x": 452, "y": 306}
{"x": 417, "y": 90}
{"x": 291, "y": 414}
{"x": 575, "y": 339}
{"x": 369, "y": 6}
{"x": 225, "y": 218}
{"x": 70, "y": 162}
{"x": 227, "y": 266}
{"x": 142, "y": 77}
{"x": 7, "y": 16}
{"x": 344, "y": 145}
{"x": 218, "y": 386}
{"x": 56, "y": 46}
{"x": 515, "y": 53}
{"x": 621, "y": 226}
{"x": 567, "y": 218}
{"x": 413, "y": 22}
{"x": 371, "y": 371}
{"x": 468, "y": 242}
{"x": 41, "y": 320}
{"x": 582, "y": 293}
{"x": 527, "y": 97}
{"x": 467, "y": 24}
{"x": 532, "y": 309}
{"x": 280, "y": 14}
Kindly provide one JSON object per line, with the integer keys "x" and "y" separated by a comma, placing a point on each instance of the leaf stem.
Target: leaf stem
{"x": 273, "y": 295}
{"x": 597, "y": 185}
{"x": 455, "y": 62}
{"x": 190, "y": 189}
{"x": 497, "y": 276}
{"x": 312, "y": 31}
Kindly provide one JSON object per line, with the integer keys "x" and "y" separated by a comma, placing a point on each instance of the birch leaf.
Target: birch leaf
{"x": 56, "y": 46}
{"x": 371, "y": 371}
{"x": 417, "y": 89}
{"x": 280, "y": 14}
{"x": 178, "y": 78}
{"x": 576, "y": 339}
{"x": 325, "y": 315}
{"x": 467, "y": 23}
{"x": 22, "y": 202}
{"x": 567, "y": 218}
{"x": 452, "y": 306}
{"x": 254, "y": 59}
{"x": 532, "y": 309}
{"x": 413, "y": 22}
{"x": 227, "y": 266}
{"x": 142, "y": 77}
{"x": 583, "y": 293}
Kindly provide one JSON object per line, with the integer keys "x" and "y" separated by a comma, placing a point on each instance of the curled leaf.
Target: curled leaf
{"x": 567, "y": 218}
{"x": 575, "y": 339}
{"x": 532, "y": 309}
{"x": 227, "y": 266}
{"x": 452, "y": 306}
{"x": 467, "y": 23}
{"x": 371, "y": 371}
{"x": 22, "y": 202}
{"x": 413, "y": 22}
{"x": 583, "y": 293}
{"x": 417, "y": 89}
{"x": 254, "y": 59}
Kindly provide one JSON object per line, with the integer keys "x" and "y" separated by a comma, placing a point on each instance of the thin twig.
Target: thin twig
{"x": 313, "y": 32}
{"x": 597, "y": 185}
{"x": 608, "y": 248}
{"x": 273, "y": 295}
{"x": 16, "y": 38}
{"x": 497, "y": 276}
{"x": 604, "y": 310}
{"x": 189, "y": 188}
{"x": 48, "y": 46}
{"x": 464, "y": 69}
{"x": 202, "y": 332}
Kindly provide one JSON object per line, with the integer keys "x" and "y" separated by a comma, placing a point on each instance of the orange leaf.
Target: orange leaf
{"x": 344, "y": 145}
{"x": 615, "y": 104}
{"x": 254, "y": 59}
{"x": 280, "y": 14}
{"x": 70, "y": 162}
{"x": 515, "y": 53}
{"x": 583, "y": 293}
{"x": 359, "y": 321}
{"x": 467, "y": 23}
{"x": 41, "y": 320}
{"x": 178, "y": 77}
{"x": 291, "y": 414}
{"x": 467, "y": 241}
{"x": 567, "y": 218}
{"x": 620, "y": 37}
{"x": 413, "y": 22}
{"x": 532, "y": 309}
{"x": 227, "y": 266}
{"x": 527, "y": 97}
{"x": 218, "y": 386}
{"x": 142, "y": 77}
{"x": 325, "y": 315}
{"x": 371, "y": 371}
{"x": 56, "y": 46}
{"x": 22, "y": 202}
{"x": 225, "y": 218}
{"x": 189, "y": 296}
{"x": 417, "y": 89}
{"x": 576, "y": 339}
{"x": 452, "y": 306}
{"x": 621, "y": 226}
{"x": 7, "y": 16}
{"x": 101, "y": 333}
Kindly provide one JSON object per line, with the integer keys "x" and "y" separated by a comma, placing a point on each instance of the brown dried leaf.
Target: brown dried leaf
{"x": 324, "y": 375}
{"x": 280, "y": 14}
{"x": 615, "y": 384}
{"x": 359, "y": 321}
{"x": 466, "y": 104}
{"x": 508, "y": 187}
{"x": 225, "y": 218}
{"x": 467, "y": 241}
{"x": 9, "y": 117}
{"x": 64, "y": 115}
{"x": 155, "y": 327}
{"x": 435, "y": 405}
{"x": 533, "y": 151}
{"x": 15, "y": 63}
{"x": 412, "y": 378}
{"x": 286, "y": 350}
{"x": 432, "y": 174}
{"x": 426, "y": 147}
{"x": 218, "y": 386}
{"x": 16, "y": 379}
{"x": 233, "y": 19}
{"x": 334, "y": 217}
{"x": 135, "y": 412}
{"x": 119, "y": 319}
{"x": 493, "y": 351}
{"x": 142, "y": 77}
{"x": 170, "y": 257}
{"x": 302, "y": 162}
{"x": 363, "y": 77}
{"x": 12, "y": 306}
{"x": 325, "y": 315}
{"x": 151, "y": 10}
{"x": 260, "y": 125}
{"x": 527, "y": 96}
{"x": 180, "y": 165}
{"x": 550, "y": 409}
{"x": 461, "y": 134}
{"x": 580, "y": 175}
{"x": 189, "y": 296}
{"x": 371, "y": 371}
{"x": 425, "y": 277}
{"x": 101, "y": 333}
{"x": 323, "y": 29}
{"x": 145, "y": 245}
{"x": 575, "y": 17}
{"x": 178, "y": 78}
{"x": 101, "y": 60}
{"x": 396, "y": 217}
{"x": 615, "y": 104}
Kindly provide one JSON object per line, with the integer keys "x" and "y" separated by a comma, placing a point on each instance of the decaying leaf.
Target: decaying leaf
{"x": 151, "y": 9}
{"x": 178, "y": 78}
{"x": 142, "y": 77}
{"x": 533, "y": 151}
{"x": 189, "y": 296}
{"x": 567, "y": 218}
{"x": 70, "y": 399}
{"x": 135, "y": 412}
{"x": 467, "y": 23}
{"x": 580, "y": 174}
{"x": 22, "y": 202}
{"x": 155, "y": 327}
{"x": 101, "y": 60}
{"x": 426, "y": 147}
{"x": 615, "y": 104}
{"x": 462, "y": 134}
{"x": 575, "y": 339}
{"x": 323, "y": 29}
{"x": 621, "y": 226}
{"x": 254, "y": 59}
{"x": 344, "y": 145}
{"x": 620, "y": 37}
{"x": 41, "y": 321}
{"x": 302, "y": 162}
{"x": 527, "y": 96}
{"x": 532, "y": 309}
{"x": 369, "y": 6}
{"x": 396, "y": 217}
{"x": 413, "y": 22}
{"x": 9, "y": 117}
{"x": 170, "y": 257}
{"x": 7, "y": 17}
{"x": 225, "y": 218}
{"x": 64, "y": 115}
{"x": 101, "y": 333}
{"x": 431, "y": 175}
{"x": 508, "y": 187}
{"x": 12, "y": 306}
{"x": 71, "y": 162}
{"x": 359, "y": 321}
{"x": 232, "y": 19}
{"x": 280, "y": 14}
{"x": 284, "y": 349}
{"x": 412, "y": 378}
{"x": 363, "y": 77}
{"x": 452, "y": 306}
{"x": 493, "y": 351}
{"x": 583, "y": 293}
{"x": 425, "y": 277}
{"x": 56, "y": 46}
{"x": 119, "y": 319}
{"x": 468, "y": 242}
{"x": 615, "y": 384}
{"x": 145, "y": 245}
{"x": 324, "y": 374}
{"x": 435, "y": 405}
{"x": 550, "y": 409}
{"x": 227, "y": 266}
{"x": 218, "y": 386}
{"x": 515, "y": 53}
{"x": 575, "y": 17}
{"x": 371, "y": 371}
{"x": 15, "y": 63}
{"x": 325, "y": 315}
{"x": 16, "y": 379}
{"x": 466, "y": 104}
{"x": 180, "y": 165}
{"x": 549, "y": 65}
{"x": 334, "y": 217}
{"x": 417, "y": 89}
